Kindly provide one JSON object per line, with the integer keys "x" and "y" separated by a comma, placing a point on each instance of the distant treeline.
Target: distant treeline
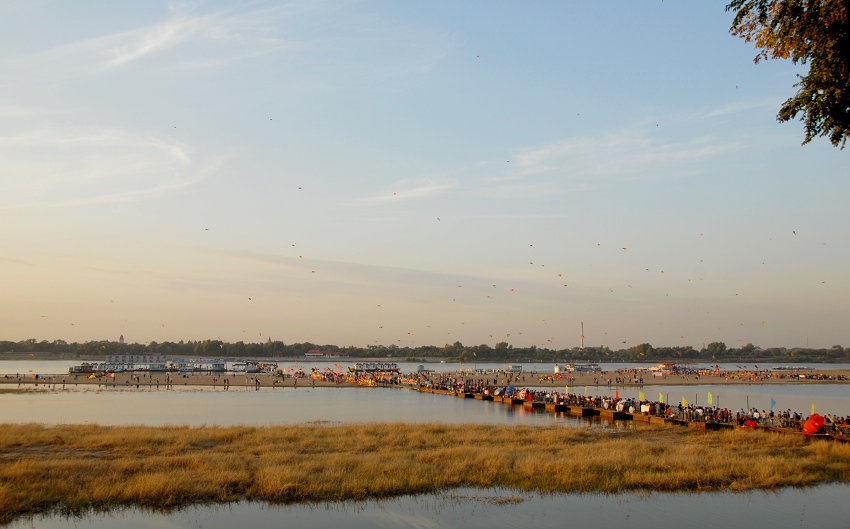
{"x": 501, "y": 352}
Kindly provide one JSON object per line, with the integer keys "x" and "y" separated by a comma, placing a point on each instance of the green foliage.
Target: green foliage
{"x": 813, "y": 32}
{"x": 499, "y": 352}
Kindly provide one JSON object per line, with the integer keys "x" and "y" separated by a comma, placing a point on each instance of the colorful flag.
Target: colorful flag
{"x": 566, "y": 390}
{"x": 640, "y": 395}
{"x": 684, "y": 401}
{"x": 710, "y": 398}
{"x": 661, "y": 398}
{"x": 772, "y": 403}
{"x": 585, "y": 392}
{"x": 617, "y": 394}
{"x": 813, "y": 408}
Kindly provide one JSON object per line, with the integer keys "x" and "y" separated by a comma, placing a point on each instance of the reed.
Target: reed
{"x": 77, "y": 467}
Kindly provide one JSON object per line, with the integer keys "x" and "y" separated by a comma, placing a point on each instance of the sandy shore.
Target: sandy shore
{"x": 525, "y": 380}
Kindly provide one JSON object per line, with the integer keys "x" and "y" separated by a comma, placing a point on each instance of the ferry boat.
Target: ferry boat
{"x": 243, "y": 367}
{"x": 374, "y": 367}
{"x": 183, "y": 365}
{"x": 582, "y": 368}
{"x": 253, "y": 367}
{"x": 85, "y": 367}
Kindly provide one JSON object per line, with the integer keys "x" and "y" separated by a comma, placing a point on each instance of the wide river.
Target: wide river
{"x": 824, "y": 506}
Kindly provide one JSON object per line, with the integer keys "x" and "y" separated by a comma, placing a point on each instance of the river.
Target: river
{"x": 822, "y": 506}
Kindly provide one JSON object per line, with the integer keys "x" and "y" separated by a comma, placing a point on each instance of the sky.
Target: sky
{"x": 410, "y": 173}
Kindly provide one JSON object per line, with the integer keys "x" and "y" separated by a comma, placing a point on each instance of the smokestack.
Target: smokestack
{"x": 582, "y": 336}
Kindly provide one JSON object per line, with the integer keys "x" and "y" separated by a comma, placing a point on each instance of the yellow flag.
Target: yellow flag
{"x": 710, "y": 398}
{"x": 640, "y": 395}
{"x": 813, "y": 408}
{"x": 684, "y": 401}
{"x": 566, "y": 389}
{"x": 661, "y": 398}
{"x": 585, "y": 392}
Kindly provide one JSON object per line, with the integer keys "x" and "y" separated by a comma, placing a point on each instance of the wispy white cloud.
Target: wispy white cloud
{"x": 414, "y": 189}
{"x": 626, "y": 155}
{"x": 73, "y": 166}
{"x": 231, "y": 34}
{"x": 742, "y": 106}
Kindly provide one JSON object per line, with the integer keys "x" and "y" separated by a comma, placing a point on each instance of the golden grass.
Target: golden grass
{"x": 73, "y": 468}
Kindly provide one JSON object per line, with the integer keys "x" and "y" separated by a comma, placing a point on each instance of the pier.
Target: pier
{"x": 590, "y": 411}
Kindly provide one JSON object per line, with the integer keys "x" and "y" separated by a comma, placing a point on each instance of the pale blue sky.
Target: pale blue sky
{"x": 410, "y": 173}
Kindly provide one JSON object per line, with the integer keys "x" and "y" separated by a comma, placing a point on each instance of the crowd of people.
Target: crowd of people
{"x": 787, "y": 420}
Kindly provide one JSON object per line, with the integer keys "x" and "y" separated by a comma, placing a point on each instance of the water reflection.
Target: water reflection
{"x": 205, "y": 406}
{"x": 195, "y": 405}
{"x": 822, "y": 506}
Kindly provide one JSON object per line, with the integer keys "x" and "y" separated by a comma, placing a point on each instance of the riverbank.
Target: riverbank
{"x": 536, "y": 380}
{"x": 77, "y": 467}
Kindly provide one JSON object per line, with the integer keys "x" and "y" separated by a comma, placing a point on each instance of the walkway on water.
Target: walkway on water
{"x": 577, "y": 410}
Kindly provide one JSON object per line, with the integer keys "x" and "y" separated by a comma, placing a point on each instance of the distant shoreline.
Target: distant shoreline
{"x": 348, "y": 360}
{"x": 529, "y": 380}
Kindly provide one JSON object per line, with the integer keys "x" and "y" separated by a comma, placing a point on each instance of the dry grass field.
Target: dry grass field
{"x": 78, "y": 467}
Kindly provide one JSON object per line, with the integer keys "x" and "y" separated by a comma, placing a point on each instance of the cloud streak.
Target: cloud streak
{"x": 73, "y": 166}
{"x": 408, "y": 190}
{"x": 230, "y": 33}
{"x": 628, "y": 155}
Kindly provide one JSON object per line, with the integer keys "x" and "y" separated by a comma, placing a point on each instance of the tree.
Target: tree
{"x": 813, "y": 32}
{"x": 716, "y": 348}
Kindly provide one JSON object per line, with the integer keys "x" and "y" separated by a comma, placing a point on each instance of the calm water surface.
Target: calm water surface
{"x": 823, "y": 507}
{"x": 191, "y": 405}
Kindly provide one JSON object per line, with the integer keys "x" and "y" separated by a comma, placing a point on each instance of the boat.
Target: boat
{"x": 85, "y": 367}
{"x": 374, "y": 367}
{"x": 244, "y": 367}
{"x": 184, "y": 366}
{"x": 582, "y": 368}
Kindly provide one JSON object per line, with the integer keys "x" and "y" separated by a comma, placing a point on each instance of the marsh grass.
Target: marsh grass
{"x": 78, "y": 467}
{"x": 24, "y": 391}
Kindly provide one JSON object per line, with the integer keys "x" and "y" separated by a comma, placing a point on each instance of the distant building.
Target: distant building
{"x": 121, "y": 339}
